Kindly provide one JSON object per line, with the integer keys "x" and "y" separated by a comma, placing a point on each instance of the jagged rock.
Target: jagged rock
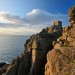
{"x": 34, "y": 44}
{"x": 12, "y": 70}
{"x": 20, "y": 66}
{"x": 25, "y": 64}
{"x": 73, "y": 43}
{"x": 40, "y": 46}
{"x": 57, "y": 45}
{"x": 71, "y": 14}
{"x": 33, "y": 60}
{"x": 71, "y": 11}
{"x": 60, "y": 55}
{"x": 73, "y": 25}
{"x": 72, "y": 32}
{"x": 3, "y": 67}
{"x": 38, "y": 62}
{"x": 68, "y": 36}
{"x": 69, "y": 39}
{"x": 60, "y": 61}
{"x": 50, "y": 29}
{"x": 2, "y": 64}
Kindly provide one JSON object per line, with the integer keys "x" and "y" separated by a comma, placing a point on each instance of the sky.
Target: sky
{"x": 27, "y": 17}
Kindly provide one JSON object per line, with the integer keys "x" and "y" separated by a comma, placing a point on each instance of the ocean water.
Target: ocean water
{"x": 11, "y": 46}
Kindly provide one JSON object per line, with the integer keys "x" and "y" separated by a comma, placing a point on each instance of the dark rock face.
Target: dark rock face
{"x": 3, "y": 67}
{"x": 21, "y": 65}
{"x": 25, "y": 64}
{"x": 39, "y": 45}
{"x": 2, "y": 64}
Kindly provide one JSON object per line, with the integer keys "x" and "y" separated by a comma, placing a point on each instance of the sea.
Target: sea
{"x": 11, "y": 46}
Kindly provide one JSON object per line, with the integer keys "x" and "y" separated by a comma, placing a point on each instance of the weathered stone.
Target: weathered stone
{"x": 73, "y": 32}
{"x": 71, "y": 13}
{"x": 33, "y": 60}
{"x": 42, "y": 43}
{"x": 34, "y": 44}
{"x": 66, "y": 29}
{"x": 21, "y": 66}
{"x": 74, "y": 25}
{"x": 69, "y": 39}
{"x": 25, "y": 64}
{"x": 38, "y": 62}
{"x": 59, "y": 61}
{"x": 57, "y": 46}
{"x": 33, "y": 55}
{"x": 12, "y": 70}
{"x": 73, "y": 43}
{"x": 58, "y": 23}
{"x": 50, "y": 29}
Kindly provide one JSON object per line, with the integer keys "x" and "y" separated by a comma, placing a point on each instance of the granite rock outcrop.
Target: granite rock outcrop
{"x": 61, "y": 59}
{"x": 50, "y": 52}
{"x": 33, "y": 59}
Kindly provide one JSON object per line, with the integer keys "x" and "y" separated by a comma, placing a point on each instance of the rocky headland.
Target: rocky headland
{"x": 50, "y": 52}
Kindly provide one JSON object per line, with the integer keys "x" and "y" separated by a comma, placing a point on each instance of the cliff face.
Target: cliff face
{"x": 61, "y": 59}
{"x": 21, "y": 65}
{"x": 50, "y": 52}
{"x": 33, "y": 59}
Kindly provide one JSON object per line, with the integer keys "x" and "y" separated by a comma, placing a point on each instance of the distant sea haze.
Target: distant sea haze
{"x": 11, "y": 46}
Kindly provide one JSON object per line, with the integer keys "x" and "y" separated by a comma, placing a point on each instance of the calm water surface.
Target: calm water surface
{"x": 11, "y": 46}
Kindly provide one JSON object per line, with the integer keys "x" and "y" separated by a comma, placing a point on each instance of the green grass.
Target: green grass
{"x": 65, "y": 46}
{"x": 68, "y": 73}
{"x": 73, "y": 61}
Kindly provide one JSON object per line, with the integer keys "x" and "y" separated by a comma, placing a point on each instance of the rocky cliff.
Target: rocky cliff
{"x": 61, "y": 59}
{"x": 50, "y": 52}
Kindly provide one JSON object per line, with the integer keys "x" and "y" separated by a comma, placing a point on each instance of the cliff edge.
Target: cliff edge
{"x": 50, "y": 52}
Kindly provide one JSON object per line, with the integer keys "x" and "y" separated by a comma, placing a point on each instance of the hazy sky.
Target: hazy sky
{"x": 25, "y": 17}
